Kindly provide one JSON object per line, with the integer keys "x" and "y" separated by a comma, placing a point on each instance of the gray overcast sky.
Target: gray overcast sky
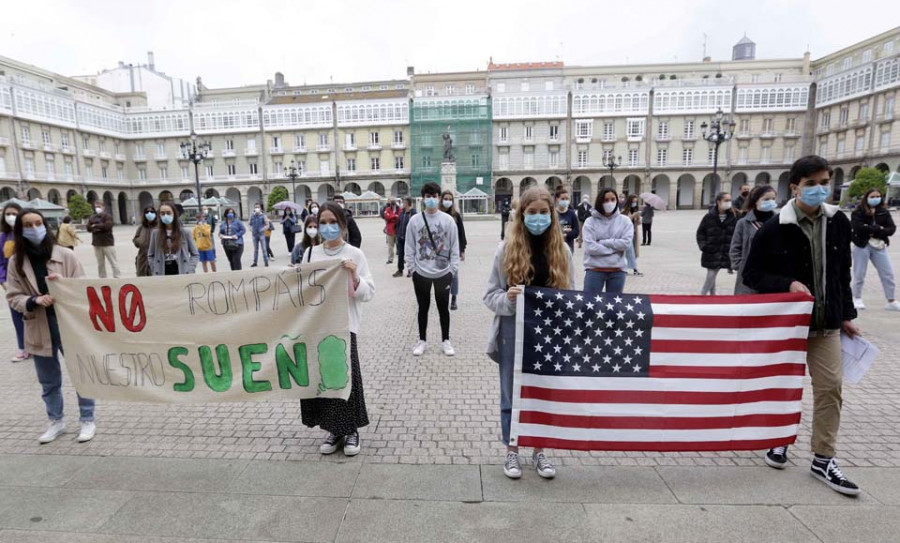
{"x": 232, "y": 43}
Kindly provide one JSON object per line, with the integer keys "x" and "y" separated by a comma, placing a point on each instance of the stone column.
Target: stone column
{"x": 698, "y": 194}
{"x": 448, "y": 176}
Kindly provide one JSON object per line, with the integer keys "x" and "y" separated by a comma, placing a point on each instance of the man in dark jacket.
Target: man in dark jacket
{"x": 402, "y": 222}
{"x": 807, "y": 249}
{"x": 584, "y": 213}
{"x": 741, "y": 200}
{"x": 504, "y": 218}
{"x": 354, "y": 237}
{"x": 100, "y": 225}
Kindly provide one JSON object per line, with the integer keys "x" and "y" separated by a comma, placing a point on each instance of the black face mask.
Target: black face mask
{"x": 745, "y": 194}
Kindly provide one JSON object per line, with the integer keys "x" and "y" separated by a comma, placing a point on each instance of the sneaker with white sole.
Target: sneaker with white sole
{"x": 21, "y": 356}
{"x": 330, "y": 444}
{"x": 56, "y": 429}
{"x": 858, "y": 303}
{"x": 419, "y": 349}
{"x": 777, "y": 457}
{"x": 351, "y": 444}
{"x": 88, "y": 429}
{"x": 827, "y": 471}
{"x": 512, "y": 468}
{"x": 893, "y": 306}
{"x": 448, "y": 348}
{"x": 543, "y": 466}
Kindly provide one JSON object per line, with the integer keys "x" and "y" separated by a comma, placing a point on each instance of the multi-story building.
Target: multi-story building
{"x": 512, "y": 125}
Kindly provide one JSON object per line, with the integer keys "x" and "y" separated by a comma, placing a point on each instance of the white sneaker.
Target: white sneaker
{"x": 448, "y": 348}
{"x": 419, "y": 349}
{"x": 858, "y": 303}
{"x": 543, "y": 466}
{"x": 512, "y": 468}
{"x": 893, "y": 306}
{"x": 56, "y": 429}
{"x": 88, "y": 429}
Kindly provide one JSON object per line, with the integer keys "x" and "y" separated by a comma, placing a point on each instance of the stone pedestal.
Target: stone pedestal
{"x": 448, "y": 176}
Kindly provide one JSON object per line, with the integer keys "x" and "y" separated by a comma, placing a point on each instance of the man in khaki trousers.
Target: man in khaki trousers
{"x": 100, "y": 225}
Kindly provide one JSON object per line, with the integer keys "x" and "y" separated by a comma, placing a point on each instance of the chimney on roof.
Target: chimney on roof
{"x": 707, "y": 59}
{"x": 121, "y": 64}
{"x": 150, "y": 60}
{"x": 279, "y": 80}
{"x": 410, "y": 71}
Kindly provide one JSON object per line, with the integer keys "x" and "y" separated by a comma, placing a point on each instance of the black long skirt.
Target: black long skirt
{"x": 339, "y": 417}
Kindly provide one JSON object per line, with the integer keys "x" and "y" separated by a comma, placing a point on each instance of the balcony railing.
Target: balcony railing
{"x": 88, "y": 152}
{"x": 67, "y": 150}
{"x": 251, "y": 151}
{"x": 349, "y": 147}
{"x": 323, "y": 148}
{"x": 140, "y": 158}
{"x": 663, "y": 137}
{"x": 160, "y": 156}
{"x": 503, "y": 143}
{"x": 606, "y": 138}
{"x": 398, "y": 145}
{"x": 120, "y": 157}
{"x": 584, "y": 139}
{"x": 276, "y": 150}
{"x": 104, "y": 154}
{"x": 300, "y": 149}
{"x": 767, "y": 135}
{"x": 27, "y": 144}
{"x": 228, "y": 153}
{"x": 689, "y": 137}
{"x": 791, "y": 134}
{"x": 49, "y": 148}
{"x": 374, "y": 147}
{"x": 4, "y": 141}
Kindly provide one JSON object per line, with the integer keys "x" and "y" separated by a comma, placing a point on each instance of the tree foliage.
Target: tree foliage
{"x": 79, "y": 208}
{"x": 278, "y": 194}
{"x": 867, "y": 178}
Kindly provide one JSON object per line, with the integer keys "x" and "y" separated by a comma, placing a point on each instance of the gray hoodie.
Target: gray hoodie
{"x": 606, "y": 239}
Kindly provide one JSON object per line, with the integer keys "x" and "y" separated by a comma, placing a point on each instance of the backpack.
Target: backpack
{"x": 203, "y": 237}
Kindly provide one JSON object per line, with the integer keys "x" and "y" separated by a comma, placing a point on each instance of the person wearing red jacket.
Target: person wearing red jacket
{"x": 391, "y": 215}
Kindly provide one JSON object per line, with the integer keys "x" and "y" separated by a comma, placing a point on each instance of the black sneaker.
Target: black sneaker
{"x": 453, "y": 306}
{"x": 351, "y": 444}
{"x": 777, "y": 457}
{"x": 827, "y": 471}
{"x": 330, "y": 444}
{"x": 398, "y": 273}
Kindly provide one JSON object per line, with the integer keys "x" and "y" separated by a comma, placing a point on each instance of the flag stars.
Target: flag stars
{"x": 596, "y": 368}
{"x": 636, "y": 369}
{"x": 537, "y": 365}
{"x": 568, "y": 323}
{"x": 548, "y": 321}
{"x": 618, "y": 299}
{"x": 639, "y": 333}
{"x": 629, "y": 307}
{"x": 638, "y": 351}
{"x": 617, "y": 350}
{"x": 640, "y": 315}
{"x": 579, "y": 314}
{"x": 548, "y": 303}
{"x": 630, "y": 324}
{"x": 619, "y": 332}
{"x": 608, "y": 341}
{"x": 638, "y": 300}
{"x": 577, "y": 367}
{"x": 557, "y": 366}
{"x": 558, "y": 313}
{"x": 627, "y": 359}
{"x": 607, "y": 359}
{"x": 620, "y": 314}
{"x": 557, "y": 331}
{"x": 548, "y": 357}
{"x": 578, "y": 331}
{"x": 598, "y": 350}
{"x": 576, "y": 349}
{"x": 579, "y": 297}
{"x": 590, "y": 305}
{"x": 538, "y": 347}
{"x": 628, "y": 341}
{"x": 598, "y": 298}
{"x": 616, "y": 368}
{"x": 610, "y": 307}
{"x": 557, "y": 348}
{"x": 610, "y": 324}
{"x": 566, "y": 358}
{"x": 538, "y": 330}
{"x": 570, "y": 304}
{"x": 547, "y": 339}
{"x": 539, "y": 295}
{"x": 567, "y": 340}
{"x": 559, "y": 296}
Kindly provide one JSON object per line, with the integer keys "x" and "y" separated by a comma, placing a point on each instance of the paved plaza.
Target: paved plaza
{"x": 430, "y": 466}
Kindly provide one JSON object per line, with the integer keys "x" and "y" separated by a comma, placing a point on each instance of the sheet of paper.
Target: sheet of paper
{"x": 858, "y": 355}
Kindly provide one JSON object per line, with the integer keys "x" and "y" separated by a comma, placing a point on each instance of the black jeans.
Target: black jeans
{"x": 234, "y": 257}
{"x": 401, "y": 251}
{"x": 645, "y": 228}
{"x": 422, "y": 286}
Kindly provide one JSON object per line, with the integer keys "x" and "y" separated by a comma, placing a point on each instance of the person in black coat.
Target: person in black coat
{"x": 448, "y": 205}
{"x": 714, "y": 239}
{"x": 504, "y": 218}
{"x": 806, "y": 249}
{"x": 872, "y": 230}
{"x": 354, "y": 236}
{"x": 405, "y": 215}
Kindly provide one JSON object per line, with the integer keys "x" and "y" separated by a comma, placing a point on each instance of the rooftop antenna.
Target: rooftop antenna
{"x": 705, "y": 37}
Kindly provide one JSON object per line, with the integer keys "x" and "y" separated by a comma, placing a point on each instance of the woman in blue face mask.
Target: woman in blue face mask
{"x": 872, "y": 230}
{"x": 448, "y": 205}
{"x": 141, "y": 240}
{"x": 341, "y": 419}
{"x": 37, "y": 260}
{"x": 534, "y": 254}
{"x": 759, "y": 207}
{"x": 172, "y": 249}
{"x": 231, "y": 232}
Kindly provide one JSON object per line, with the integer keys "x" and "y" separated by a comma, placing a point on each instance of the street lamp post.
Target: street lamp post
{"x": 291, "y": 172}
{"x": 612, "y": 164}
{"x": 720, "y": 130}
{"x": 196, "y": 152}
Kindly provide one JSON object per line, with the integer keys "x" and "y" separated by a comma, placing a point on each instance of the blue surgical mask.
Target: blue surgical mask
{"x": 447, "y": 203}
{"x": 431, "y": 203}
{"x": 329, "y": 232}
{"x": 230, "y": 216}
{"x": 150, "y": 216}
{"x": 874, "y": 201}
{"x": 814, "y": 196}
{"x": 538, "y": 223}
{"x": 766, "y": 205}
{"x": 167, "y": 219}
{"x": 35, "y": 234}
{"x": 564, "y": 204}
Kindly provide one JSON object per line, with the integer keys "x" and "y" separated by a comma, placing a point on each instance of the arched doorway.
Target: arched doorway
{"x": 581, "y": 187}
{"x": 211, "y": 193}
{"x": 166, "y": 196}
{"x": 853, "y": 171}
{"x": 660, "y": 187}
{"x": 234, "y": 195}
{"x": 145, "y": 200}
{"x": 784, "y": 187}
{"x": 836, "y": 183}
{"x": 503, "y": 192}
{"x": 353, "y": 187}
{"x": 763, "y": 178}
{"x": 53, "y": 196}
{"x": 737, "y": 181}
{"x": 552, "y": 183}
{"x": 684, "y": 197}
{"x": 69, "y": 194}
{"x": 302, "y": 194}
{"x": 91, "y": 197}
{"x": 33, "y": 193}
{"x": 325, "y": 192}
{"x": 527, "y": 183}
{"x": 6, "y": 193}
{"x": 710, "y": 189}
{"x": 123, "y": 208}
{"x": 606, "y": 182}
{"x": 377, "y": 188}
{"x": 631, "y": 185}
{"x": 254, "y": 196}
{"x": 883, "y": 167}
{"x": 400, "y": 189}
{"x": 108, "y": 202}
{"x": 186, "y": 194}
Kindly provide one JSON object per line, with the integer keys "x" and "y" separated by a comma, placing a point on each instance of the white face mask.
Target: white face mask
{"x": 99, "y": 210}
{"x": 312, "y": 232}
{"x": 11, "y": 219}
{"x": 726, "y": 206}
{"x": 609, "y": 207}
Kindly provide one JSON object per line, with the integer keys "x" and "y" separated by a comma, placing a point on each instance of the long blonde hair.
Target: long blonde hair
{"x": 517, "y": 257}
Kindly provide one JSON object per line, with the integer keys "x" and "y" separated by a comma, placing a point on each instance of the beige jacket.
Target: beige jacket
{"x": 67, "y": 236}
{"x": 19, "y": 289}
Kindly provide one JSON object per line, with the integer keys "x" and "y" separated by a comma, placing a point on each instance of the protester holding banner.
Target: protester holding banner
{"x": 607, "y": 235}
{"x": 36, "y": 260}
{"x": 872, "y": 230}
{"x": 342, "y": 419}
{"x": 448, "y": 205}
{"x": 141, "y": 240}
{"x": 432, "y": 253}
{"x": 172, "y": 250}
{"x": 537, "y": 255}
{"x": 203, "y": 239}
{"x": 807, "y": 249}
{"x": 714, "y": 240}
{"x": 231, "y": 232}
{"x": 758, "y": 208}
{"x": 7, "y": 249}
{"x": 309, "y": 240}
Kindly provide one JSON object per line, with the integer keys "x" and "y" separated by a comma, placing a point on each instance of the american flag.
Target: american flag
{"x": 635, "y": 372}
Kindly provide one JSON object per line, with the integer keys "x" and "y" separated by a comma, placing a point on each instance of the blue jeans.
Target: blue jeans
{"x": 49, "y": 374}
{"x": 594, "y": 282}
{"x": 507, "y": 365}
{"x": 257, "y": 241}
{"x": 630, "y": 257}
{"x": 454, "y": 285}
{"x": 882, "y": 263}
{"x": 19, "y": 325}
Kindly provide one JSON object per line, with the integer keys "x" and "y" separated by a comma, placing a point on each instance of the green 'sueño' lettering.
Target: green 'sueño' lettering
{"x": 188, "y": 384}
{"x": 250, "y": 366}
{"x": 218, "y": 381}
{"x": 295, "y": 368}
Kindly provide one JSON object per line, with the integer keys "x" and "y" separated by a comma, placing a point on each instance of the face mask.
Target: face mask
{"x": 564, "y": 204}
{"x": 431, "y": 203}
{"x": 341, "y": 204}
{"x": 150, "y": 216}
{"x": 230, "y": 216}
{"x": 11, "y": 219}
{"x": 766, "y": 205}
{"x": 312, "y": 232}
{"x": 314, "y": 211}
{"x": 99, "y": 210}
{"x": 167, "y": 219}
{"x": 257, "y": 211}
{"x": 448, "y": 204}
{"x": 745, "y": 193}
{"x": 633, "y": 204}
{"x": 330, "y": 232}
{"x": 874, "y": 201}
{"x": 35, "y": 235}
{"x": 726, "y": 206}
{"x": 537, "y": 224}
{"x": 609, "y": 207}
{"x": 814, "y": 196}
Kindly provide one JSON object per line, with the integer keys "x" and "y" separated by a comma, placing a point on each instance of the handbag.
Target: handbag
{"x": 442, "y": 261}
{"x": 876, "y": 243}
{"x": 229, "y": 244}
